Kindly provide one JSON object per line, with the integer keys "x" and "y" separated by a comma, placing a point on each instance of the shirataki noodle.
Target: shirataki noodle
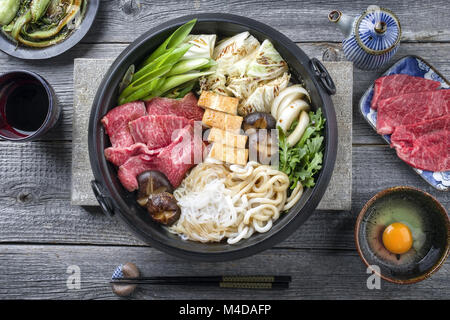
{"x": 220, "y": 201}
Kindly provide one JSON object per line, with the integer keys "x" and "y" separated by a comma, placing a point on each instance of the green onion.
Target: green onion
{"x": 142, "y": 87}
{"x": 180, "y": 91}
{"x": 184, "y": 91}
{"x": 154, "y": 70}
{"x": 173, "y": 41}
{"x": 174, "y": 81}
{"x": 171, "y": 57}
{"x": 188, "y": 65}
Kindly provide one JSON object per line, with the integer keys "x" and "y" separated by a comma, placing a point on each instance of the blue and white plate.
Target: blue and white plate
{"x": 413, "y": 66}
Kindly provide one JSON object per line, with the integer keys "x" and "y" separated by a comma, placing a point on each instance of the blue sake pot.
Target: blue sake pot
{"x": 371, "y": 39}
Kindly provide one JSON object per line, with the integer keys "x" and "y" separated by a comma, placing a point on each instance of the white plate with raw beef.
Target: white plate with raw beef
{"x": 409, "y": 107}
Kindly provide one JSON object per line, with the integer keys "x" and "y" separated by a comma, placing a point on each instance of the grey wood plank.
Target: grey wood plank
{"x": 35, "y": 199}
{"x": 117, "y": 21}
{"x": 40, "y": 272}
{"x": 59, "y": 72}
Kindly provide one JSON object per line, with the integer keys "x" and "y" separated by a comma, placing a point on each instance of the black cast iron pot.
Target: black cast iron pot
{"x": 114, "y": 199}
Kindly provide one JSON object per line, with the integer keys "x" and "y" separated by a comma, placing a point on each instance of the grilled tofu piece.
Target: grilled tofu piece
{"x": 222, "y": 120}
{"x": 218, "y": 102}
{"x": 229, "y": 154}
{"x": 227, "y": 138}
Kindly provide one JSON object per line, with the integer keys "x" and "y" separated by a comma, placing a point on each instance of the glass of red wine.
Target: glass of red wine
{"x": 28, "y": 106}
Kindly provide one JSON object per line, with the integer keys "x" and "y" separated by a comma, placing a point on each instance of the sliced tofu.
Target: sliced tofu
{"x": 227, "y": 138}
{"x": 229, "y": 154}
{"x": 218, "y": 102}
{"x": 222, "y": 120}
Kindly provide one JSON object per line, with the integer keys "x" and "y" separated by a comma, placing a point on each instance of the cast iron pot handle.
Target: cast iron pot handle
{"x": 323, "y": 76}
{"x": 104, "y": 204}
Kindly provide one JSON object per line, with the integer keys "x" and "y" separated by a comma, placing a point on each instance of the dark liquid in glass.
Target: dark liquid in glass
{"x": 24, "y": 106}
{"x": 27, "y": 107}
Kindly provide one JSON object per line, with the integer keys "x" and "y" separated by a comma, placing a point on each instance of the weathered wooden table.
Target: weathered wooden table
{"x": 42, "y": 237}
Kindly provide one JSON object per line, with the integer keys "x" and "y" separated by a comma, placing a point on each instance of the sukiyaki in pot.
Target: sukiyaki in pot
{"x": 208, "y": 199}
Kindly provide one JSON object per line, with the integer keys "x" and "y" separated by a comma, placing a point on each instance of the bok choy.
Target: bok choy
{"x": 40, "y": 23}
{"x": 8, "y": 10}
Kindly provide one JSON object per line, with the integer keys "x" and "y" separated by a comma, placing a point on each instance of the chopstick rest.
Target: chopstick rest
{"x": 128, "y": 271}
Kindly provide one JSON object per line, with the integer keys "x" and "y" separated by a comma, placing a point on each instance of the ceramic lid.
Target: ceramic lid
{"x": 377, "y": 30}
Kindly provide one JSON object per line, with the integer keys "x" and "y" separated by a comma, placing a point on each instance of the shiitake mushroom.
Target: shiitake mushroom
{"x": 259, "y": 120}
{"x": 259, "y": 126}
{"x": 155, "y": 195}
{"x": 151, "y": 182}
{"x": 262, "y": 145}
{"x": 163, "y": 208}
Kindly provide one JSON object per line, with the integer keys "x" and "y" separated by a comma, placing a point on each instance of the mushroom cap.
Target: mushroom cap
{"x": 163, "y": 208}
{"x": 151, "y": 182}
{"x": 259, "y": 120}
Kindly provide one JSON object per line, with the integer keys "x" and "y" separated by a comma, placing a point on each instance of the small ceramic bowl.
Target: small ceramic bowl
{"x": 430, "y": 228}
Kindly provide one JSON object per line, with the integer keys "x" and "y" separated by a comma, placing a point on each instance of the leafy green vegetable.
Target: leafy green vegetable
{"x": 302, "y": 161}
{"x": 267, "y": 63}
{"x": 20, "y": 23}
{"x": 39, "y": 8}
{"x": 8, "y": 10}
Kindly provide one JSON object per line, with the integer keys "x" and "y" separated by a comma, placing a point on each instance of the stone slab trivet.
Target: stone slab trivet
{"x": 338, "y": 195}
{"x": 88, "y": 74}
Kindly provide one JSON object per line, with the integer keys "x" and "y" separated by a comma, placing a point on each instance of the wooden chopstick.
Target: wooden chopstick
{"x": 219, "y": 284}
{"x": 247, "y": 279}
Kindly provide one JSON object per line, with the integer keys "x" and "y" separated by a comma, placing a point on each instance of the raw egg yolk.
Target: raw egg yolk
{"x": 397, "y": 238}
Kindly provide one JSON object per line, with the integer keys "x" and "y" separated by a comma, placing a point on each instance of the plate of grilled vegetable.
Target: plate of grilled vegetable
{"x": 42, "y": 29}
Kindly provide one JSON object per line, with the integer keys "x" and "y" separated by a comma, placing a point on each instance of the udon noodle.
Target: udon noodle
{"x": 230, "y": 202}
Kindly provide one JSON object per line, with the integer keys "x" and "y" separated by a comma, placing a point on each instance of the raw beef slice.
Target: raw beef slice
{"x": 116, "y": 123}
{"x": 119, "y": 155}
{"x": 397, "y": 84}
{"x": 424, "y": 145}
{"x": 173, "y": 160}
{"x": 186, "y": 107}
{"x": 157, "y": 131}
{"x": 411, "y": 108}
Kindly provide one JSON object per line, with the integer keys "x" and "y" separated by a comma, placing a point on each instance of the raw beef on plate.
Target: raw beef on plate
{"x": 411, "y": 108}
{"x": 424, "y": 145}
{"x": 397, "y": 84}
